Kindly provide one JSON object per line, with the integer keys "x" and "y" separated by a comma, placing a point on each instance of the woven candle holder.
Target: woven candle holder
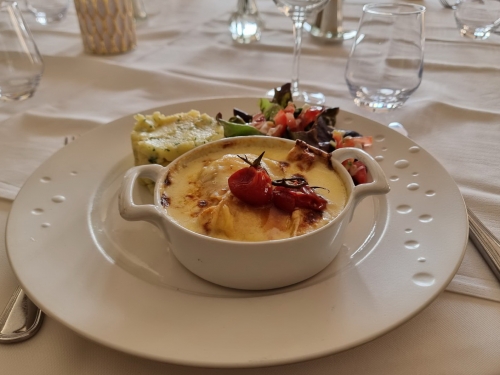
{"x": 107, "y": 26}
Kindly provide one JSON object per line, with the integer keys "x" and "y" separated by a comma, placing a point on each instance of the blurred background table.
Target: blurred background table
{"x": 185, "y": 52}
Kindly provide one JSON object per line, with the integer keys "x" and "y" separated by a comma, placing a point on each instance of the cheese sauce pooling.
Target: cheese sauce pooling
{"x": 197, "y": 196}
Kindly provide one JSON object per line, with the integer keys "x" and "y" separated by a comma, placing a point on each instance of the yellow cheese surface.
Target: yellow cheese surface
{"x": 199, "y": 198}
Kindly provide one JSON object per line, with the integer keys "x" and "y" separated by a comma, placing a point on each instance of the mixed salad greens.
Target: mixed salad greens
{"x": 280, "y": 117}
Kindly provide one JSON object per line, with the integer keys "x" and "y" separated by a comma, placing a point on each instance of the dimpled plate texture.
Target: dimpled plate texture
{"x": 117, "y": 283}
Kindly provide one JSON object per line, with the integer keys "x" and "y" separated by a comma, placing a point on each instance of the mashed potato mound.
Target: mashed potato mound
{"x": 159, "y": 139}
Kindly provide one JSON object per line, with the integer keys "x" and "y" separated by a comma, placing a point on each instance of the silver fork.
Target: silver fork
{"x": 21, "y": 318}
{"x": 485, "y": 241}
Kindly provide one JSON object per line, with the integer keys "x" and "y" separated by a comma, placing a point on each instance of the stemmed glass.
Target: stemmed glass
{"x": 477, "y": 19}
{"x": 47, "y": 12}
{"x": 144, "y": 10}
{"x": 386, "y": 62}
{"x": 139, "y": 10}
{"x": 299, "y": 11}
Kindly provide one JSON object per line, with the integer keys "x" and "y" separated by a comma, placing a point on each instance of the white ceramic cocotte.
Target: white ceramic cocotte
{"x": 251, "y": 265}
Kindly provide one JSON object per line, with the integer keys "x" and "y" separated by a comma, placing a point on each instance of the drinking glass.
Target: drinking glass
{"x": 386, "y": 62}
{"x": 140, "y": 13}
{"x": 245, "y": 24}
{"x": 48, "y": 11}
{"x": 476, "y": 19}
{"x": 449, "y": 4}
{"x": 21, "y": 65}
{"x": 299, "y": 11}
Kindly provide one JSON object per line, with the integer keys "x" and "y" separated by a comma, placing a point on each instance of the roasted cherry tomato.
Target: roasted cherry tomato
{"x": 289, "y": 194}
{"x": 307, "y": 198}
{"x": 252, "y": 184}
{"x": 283, "y": 199}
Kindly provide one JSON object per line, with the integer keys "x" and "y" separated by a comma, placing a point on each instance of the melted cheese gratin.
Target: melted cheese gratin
{"x": 197, "y": 196}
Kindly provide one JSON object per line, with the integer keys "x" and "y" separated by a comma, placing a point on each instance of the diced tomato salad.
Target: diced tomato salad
{"x": 286, "y": 119}
{"x": 280, "y": 117}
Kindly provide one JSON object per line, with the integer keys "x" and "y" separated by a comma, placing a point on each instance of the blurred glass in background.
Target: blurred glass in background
{"x": 245, "y": 24}
{"x": 48, "y": 11}
{"x": 476, "y": 19}
{"x": 21, "y": 65}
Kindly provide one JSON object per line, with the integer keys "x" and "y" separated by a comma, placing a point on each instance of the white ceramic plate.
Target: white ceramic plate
{"x": 117, "y": 283}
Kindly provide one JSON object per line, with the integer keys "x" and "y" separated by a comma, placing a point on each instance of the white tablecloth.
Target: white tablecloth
{"x": 185, "y": 52}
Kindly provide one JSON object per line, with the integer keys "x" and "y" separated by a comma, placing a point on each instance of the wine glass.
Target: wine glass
{"x": 386, "y": 62}
{"x": 299, "y": 11}
{"x": 477, "y": 19}
{"x": 140, "y": 12}
{"x": 145, "y": 10}
{"x": 48, "y": 11}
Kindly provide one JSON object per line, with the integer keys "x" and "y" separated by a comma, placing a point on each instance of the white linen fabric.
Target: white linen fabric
{"x": 184, "y": 53}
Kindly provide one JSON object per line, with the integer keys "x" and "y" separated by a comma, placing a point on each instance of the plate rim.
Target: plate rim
{"x": 259, "y": 363}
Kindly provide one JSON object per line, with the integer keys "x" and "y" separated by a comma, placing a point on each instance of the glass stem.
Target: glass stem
{"x": 242, "y": 6}
{"x": 297, "y": 34}
{"x": 247, "y": 7}
{"x": 139, "y": 10}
